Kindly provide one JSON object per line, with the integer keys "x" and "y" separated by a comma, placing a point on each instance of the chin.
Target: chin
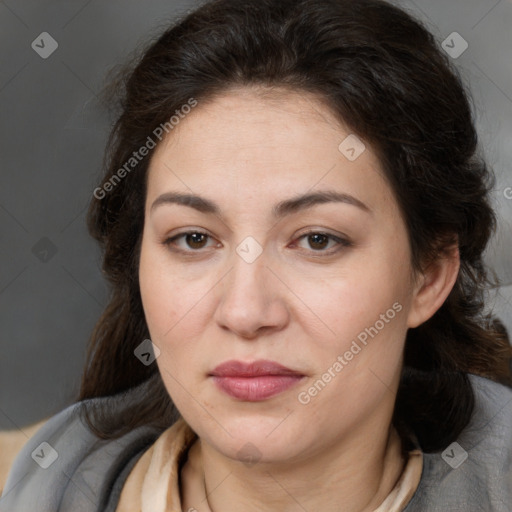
{"x": 261, "y": 438}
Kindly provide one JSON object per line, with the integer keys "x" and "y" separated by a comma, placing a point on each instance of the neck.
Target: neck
{"x": 356, "y": 475}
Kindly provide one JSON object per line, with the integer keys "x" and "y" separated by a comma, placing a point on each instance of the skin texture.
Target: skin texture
{"x": 301, "y": 303}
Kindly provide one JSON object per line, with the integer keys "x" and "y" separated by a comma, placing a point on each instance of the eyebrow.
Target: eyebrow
{"x": 281, "y": 209}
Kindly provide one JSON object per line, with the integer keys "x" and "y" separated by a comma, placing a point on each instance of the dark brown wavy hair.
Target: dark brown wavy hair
{"x": 383, "y": 74}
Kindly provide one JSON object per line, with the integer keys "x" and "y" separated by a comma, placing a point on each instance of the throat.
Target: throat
{"x": 363, "y": 498}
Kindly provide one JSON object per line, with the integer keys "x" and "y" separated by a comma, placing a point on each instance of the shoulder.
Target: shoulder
{"x": 475, "y": 472}
{"x": 64, "y": 466}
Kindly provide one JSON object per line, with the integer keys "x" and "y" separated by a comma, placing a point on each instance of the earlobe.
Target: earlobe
{"x": 433, "y": 286}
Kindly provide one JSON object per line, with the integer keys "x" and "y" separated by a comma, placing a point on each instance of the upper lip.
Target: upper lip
{"x": 255, "y": 369}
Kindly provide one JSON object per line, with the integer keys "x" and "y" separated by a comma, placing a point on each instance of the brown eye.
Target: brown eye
{"x": 318, "y": 241}
{"x": 194, "y": 241}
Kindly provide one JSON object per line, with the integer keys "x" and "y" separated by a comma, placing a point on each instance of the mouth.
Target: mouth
{"x": 256, "y": 381}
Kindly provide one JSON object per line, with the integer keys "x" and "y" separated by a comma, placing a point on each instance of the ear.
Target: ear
{"x": 433, "y": 286}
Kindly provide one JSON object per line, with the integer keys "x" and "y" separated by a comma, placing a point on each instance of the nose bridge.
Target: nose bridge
{"x": 247, "y": 276}
{"x": 250, "y": 298}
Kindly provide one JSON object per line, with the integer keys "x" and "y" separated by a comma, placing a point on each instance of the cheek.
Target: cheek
{"x": 370, "y": 329}
{"x": 176, "y": 312}
{"x": 360, "y": 354}
{"x": 167, "y": 298}
{"x": 165, "y": 309}
{"x": 357, "y": 367}
{"x": 363, "y": 300}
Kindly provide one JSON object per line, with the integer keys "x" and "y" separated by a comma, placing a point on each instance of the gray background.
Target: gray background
{"x": 52, "y": 137}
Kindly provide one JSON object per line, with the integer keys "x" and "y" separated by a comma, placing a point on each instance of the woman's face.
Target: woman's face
{"x": 248, "y": 284}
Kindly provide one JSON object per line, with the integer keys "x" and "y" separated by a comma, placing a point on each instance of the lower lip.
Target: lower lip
{"x": 255, "y": 389}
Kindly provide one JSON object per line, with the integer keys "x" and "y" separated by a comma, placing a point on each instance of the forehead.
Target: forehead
{"x": 256, "y": 142}
{"x": 242, "y": 119}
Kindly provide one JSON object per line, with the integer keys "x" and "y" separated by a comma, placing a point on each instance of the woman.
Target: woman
{"x": 293, "y": 217}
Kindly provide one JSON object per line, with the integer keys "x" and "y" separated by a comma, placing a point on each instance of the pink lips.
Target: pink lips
{"x": 255, "y": 381}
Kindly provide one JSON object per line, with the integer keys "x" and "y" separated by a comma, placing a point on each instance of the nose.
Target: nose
{"x": 253, "y": 299}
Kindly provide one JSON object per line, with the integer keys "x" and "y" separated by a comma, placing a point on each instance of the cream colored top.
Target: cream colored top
{"x": 153, "y": 485}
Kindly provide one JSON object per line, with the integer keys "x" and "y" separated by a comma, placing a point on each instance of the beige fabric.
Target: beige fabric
{"x": 406, "y": 486}
{"x": 11, "y": 442}
{"x": 153, "y": 484}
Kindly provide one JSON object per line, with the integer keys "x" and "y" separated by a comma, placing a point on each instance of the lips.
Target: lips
{"x": 255, "y": 369}
{"x": 254, "y": 381}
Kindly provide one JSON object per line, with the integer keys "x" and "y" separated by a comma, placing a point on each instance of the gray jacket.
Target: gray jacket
{"x": 65, "y": 468}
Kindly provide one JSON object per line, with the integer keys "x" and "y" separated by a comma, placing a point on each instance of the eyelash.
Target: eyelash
{"x": 343, "y": 243}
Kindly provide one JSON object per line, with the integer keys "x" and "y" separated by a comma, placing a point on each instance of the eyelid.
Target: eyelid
{"x": 341, "y": 240}
{"x": 169, "y": 239}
